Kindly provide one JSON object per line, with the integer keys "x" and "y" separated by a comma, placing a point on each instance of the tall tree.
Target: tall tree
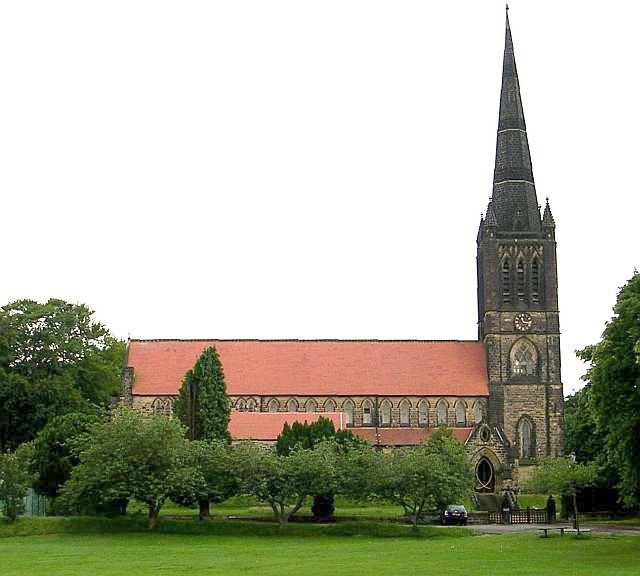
{"x": 614, "y": 377}
{"x": 583, "y": 438}
{"x": 27, "y": 405}
{"x": 54, "y": 359}
{"x": 202, "y": 402}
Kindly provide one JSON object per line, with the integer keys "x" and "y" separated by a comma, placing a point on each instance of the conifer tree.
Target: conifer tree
{"x": 202, "y": 403}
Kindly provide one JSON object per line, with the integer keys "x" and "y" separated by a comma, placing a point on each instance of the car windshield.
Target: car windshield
{"x": 454, "y": 508}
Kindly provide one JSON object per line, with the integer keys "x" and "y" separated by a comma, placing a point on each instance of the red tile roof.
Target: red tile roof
{"x": 267, "y": 426}
{"x": 317, "y": 367}
{"x": 405, "y": 436}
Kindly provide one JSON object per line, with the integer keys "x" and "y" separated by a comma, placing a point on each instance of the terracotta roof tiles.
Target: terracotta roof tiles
{"x": 317, "y": 367}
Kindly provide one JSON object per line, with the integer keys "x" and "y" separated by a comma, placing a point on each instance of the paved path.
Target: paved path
{"x": 512, "y": 528}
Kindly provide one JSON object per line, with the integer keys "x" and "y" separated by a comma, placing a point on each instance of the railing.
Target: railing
{"x": 524, "y": 516}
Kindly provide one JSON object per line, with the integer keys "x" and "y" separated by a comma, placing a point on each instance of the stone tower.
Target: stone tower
{"x": 518, "y": 291}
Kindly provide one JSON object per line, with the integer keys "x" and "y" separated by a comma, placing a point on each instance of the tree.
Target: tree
{"x": 358, "y": 472}
{"x": 132, "y": 456}
{"x": 563, "y": 476}
{"x": 214, "y": 461}
{"x": 308, "y": 435}
{"x": 614, "y": 377}
{"x": 429, "y": 476}
{"x": 54, "y": 359}
{"x": 53, "y": 449}
{"x": 26, "y": 406}
{"x": 202, "y": 403}
{"x": 284, "y": 482}
{"x": 15, "y": 480}
{"x": 582, "y": 438}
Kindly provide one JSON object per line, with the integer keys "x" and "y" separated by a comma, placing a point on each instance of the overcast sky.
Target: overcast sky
{"x": 295, "y": 169}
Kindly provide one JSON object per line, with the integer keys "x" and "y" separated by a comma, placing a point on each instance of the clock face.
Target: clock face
{"x": 523, "y": 321}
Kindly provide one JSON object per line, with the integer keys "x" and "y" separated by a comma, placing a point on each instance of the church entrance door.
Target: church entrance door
{"x": 485, "y": 476}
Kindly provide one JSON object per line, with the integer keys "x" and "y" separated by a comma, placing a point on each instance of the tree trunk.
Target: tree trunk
{"x": 575, "y": 511}
{"x": 154, "y": 510}
{"x": 204, "y": 509}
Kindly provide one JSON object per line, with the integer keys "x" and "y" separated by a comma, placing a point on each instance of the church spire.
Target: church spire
{"x": 514, "y": 193}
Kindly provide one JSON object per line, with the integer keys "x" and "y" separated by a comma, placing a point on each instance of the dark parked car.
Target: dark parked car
{"x": 454, "y": 514}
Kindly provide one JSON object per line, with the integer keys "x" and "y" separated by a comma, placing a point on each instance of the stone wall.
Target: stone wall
{"x": 472, "y": 407}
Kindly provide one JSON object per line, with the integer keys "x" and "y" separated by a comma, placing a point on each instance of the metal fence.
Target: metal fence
{"x": 34, "y": 504}
{"x": 524, "y": 516}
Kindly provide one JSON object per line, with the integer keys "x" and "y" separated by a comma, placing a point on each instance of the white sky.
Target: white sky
{"x": 296, "y": 169}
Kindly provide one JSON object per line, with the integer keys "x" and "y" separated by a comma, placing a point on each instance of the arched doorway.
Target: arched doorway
{"x": 485, "y": 476}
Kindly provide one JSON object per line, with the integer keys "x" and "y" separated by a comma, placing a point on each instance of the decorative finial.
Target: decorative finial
{"x": 507, "y": 6}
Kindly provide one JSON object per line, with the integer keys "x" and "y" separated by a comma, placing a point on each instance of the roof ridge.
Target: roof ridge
{"x": 349, "y": 340}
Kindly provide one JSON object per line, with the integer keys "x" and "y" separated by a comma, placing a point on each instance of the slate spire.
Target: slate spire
{"x": 514, "y": 193}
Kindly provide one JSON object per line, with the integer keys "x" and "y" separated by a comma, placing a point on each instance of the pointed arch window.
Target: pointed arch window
{"x": 292, "y": 405}
{"x": 162, "y": 406}
{"x": 241, "y": 405}
{"x": 520, "y": 280}
{"x": 423, "y": 413}
{"x": 385, "y": 413}
{"x": 461, "y": 414}
{"x": 251, "y": 405}
{"x": 526, "y": 439}
{"x": 505, "y": 281}
{"x": 367, "y": 413}
{"x": 273, "y": 405}
{"x": 478, "y": 412}
{"x": 441, "y": 411}
{"x": 330, "y": 406}
{"x": 347, "y": 408}
{"x": 311, "y": 406}
{"x": 535, "y": 282}
{"x": 523, "y": 358}
{"x": 405, "y": 413}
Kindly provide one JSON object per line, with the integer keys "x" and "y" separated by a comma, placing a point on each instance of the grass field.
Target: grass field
{"x": 177, "y": 554}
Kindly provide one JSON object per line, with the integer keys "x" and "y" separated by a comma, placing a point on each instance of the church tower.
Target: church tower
{"x": 518, "y": 291}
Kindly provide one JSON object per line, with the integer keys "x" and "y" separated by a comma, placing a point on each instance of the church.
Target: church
{"x": 501, "y": 394}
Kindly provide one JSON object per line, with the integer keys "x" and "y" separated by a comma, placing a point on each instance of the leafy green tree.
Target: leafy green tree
{"x": 283, "y": 482}
{"x": 53, "y": 449}
{"x": 202, "y": 403}
{"x": 54, "y": 359}
{"x": 15, "y": 480}
{"x": 358, "y": 472}
{"x": 132, "y": 456}
{"x": 28, "y": 405}
{"x": 563, "y": 476}
{"x": 214, "y": 461}
{"x": 307, "y": 435}
{"x": 614, "y": 377}
{"x": 583, "y": 437}
{"x": 426, "y": 477}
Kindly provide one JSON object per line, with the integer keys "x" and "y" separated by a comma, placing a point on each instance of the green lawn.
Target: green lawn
{"x": 177, "y": 554}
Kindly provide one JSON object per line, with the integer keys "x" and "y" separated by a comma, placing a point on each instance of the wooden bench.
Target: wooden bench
{"x": 562, "y": 530}
{"x": 574, "y": 531}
